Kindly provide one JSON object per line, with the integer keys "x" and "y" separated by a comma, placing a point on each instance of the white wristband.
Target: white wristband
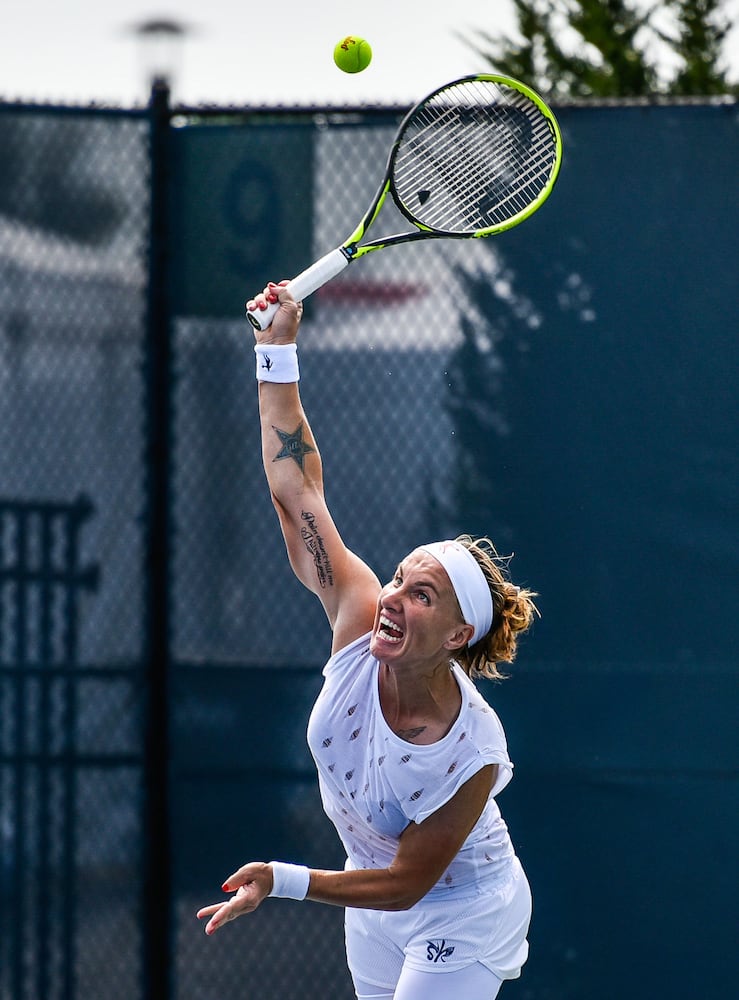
{"x": 289, "y": 881}
{"x": 277, "y": 362}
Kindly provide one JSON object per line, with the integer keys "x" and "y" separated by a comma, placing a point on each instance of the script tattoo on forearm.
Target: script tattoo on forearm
{"x": 293, "y": 445}
{"x": 314, "y": 543}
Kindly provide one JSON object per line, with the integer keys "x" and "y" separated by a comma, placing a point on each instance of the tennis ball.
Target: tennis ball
{"x": 353, "y": 54}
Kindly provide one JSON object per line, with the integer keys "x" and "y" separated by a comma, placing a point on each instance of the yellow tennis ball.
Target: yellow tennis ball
{"x": 353, "y": 54}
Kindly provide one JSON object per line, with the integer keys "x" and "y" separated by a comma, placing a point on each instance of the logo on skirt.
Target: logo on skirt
{"x": 438, "y": 951}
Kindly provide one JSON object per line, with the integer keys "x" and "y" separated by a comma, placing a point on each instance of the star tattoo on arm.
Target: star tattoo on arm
{"x": 293, "y": 445}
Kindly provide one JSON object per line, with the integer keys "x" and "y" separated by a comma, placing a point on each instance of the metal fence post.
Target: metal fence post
{"x": 158, "y": 958}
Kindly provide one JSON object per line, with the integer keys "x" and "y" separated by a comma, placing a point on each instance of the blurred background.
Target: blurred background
{"x": 568, "y": 388}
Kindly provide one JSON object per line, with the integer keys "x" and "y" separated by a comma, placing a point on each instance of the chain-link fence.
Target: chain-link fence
{"x": 73, "y": 232}
{"x": 567, "y": 388}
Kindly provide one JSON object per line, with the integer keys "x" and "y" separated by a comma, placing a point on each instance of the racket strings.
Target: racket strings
{"x": 479, "y": 183}
{"x": 486, "y": 171}
{"x": 485, "y": 151}
{"x": 473, "y": 157}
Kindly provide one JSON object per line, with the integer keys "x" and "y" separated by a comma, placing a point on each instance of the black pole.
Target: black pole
{"x": 158, "y": 959}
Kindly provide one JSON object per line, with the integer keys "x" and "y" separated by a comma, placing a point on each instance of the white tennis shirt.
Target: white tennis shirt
{"x": 373, "y": 783}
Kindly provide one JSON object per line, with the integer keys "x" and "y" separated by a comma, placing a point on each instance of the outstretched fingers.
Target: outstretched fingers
{"x": 220, "y": 913}
{"x": 250, "y": 885}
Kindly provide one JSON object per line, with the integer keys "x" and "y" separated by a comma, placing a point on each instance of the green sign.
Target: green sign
{"x": 242, "y": 212}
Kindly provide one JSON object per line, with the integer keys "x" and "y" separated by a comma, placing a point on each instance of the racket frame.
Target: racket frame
{"x": 332, "y": 263}
{"x": 350, "y": 246}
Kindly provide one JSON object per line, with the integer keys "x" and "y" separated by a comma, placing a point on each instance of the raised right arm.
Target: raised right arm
{"x": 346, "y": 586}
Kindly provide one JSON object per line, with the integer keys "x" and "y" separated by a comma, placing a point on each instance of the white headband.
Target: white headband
{"x": 469, "y": 583}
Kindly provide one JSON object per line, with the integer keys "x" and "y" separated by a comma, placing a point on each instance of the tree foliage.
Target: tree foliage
{"x": 702, "y": 31}
{"x": 614, "y": 48}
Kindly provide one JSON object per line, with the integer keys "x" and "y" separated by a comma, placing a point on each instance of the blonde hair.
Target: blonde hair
{"x": 513, "y": 612}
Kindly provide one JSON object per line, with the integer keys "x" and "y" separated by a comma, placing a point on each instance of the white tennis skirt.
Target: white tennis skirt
{"x": 443, "y": 935}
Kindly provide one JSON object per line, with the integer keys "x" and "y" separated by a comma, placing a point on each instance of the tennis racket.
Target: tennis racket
{"x": 473, "y": 158}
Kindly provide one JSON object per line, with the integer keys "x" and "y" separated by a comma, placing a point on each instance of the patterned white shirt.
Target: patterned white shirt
{"x": 373, "y": 783}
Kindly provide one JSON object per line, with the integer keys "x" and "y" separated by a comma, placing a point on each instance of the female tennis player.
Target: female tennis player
{"x": 410, "y": 757}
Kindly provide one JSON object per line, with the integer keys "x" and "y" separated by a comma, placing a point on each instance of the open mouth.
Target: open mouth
{"x": 388, "y": 631}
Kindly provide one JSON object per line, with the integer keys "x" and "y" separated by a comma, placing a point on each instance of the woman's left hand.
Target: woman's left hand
{"x": 251, "y": 883}
{"x": 284, "y": 326}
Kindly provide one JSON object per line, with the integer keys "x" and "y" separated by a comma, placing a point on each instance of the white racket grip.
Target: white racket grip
{"x": 303, "y": 285}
